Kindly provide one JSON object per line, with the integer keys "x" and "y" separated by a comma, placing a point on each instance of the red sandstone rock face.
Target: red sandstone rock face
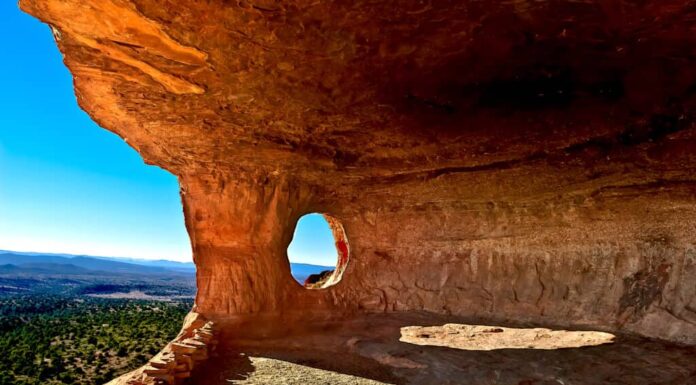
{"x": 516, "y": 160}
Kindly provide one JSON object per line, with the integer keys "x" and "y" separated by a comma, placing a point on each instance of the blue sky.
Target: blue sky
{"x": 69, "y": 186}
{"x": 313, "y": 242}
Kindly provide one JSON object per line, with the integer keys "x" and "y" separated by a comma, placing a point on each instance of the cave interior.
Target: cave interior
{"x": 511, "y": 163}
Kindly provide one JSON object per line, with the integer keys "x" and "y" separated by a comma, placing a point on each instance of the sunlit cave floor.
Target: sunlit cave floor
{"x": 408, "y": 348}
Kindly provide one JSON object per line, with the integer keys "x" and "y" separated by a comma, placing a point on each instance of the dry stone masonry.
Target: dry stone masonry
{"x": 175, "y": 363}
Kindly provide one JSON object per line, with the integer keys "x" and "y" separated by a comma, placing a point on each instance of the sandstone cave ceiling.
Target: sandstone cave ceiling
{"x": 384, "y": 91}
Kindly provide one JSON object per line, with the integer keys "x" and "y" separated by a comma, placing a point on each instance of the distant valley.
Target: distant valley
{"x": 65, "y": 274}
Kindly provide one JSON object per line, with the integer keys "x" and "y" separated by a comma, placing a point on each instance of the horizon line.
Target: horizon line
{"x": 89, "y": 255}
{"x": 2, "y": 250}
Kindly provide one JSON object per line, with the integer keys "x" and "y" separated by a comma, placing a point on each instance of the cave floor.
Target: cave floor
{"x": 371, "y": 350}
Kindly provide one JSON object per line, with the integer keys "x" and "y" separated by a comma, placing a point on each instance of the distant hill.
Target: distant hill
{"x": 68, "y": 264}
{"x": 45, "y": 269}
{"x": 300, "y": 271}
{"x": 35, "y": 273}
{"x": 83, "y": 262}
{"x": 171, "y": 265}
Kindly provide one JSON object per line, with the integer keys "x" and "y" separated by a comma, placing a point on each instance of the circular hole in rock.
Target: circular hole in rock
{"x": 319, "y": 251}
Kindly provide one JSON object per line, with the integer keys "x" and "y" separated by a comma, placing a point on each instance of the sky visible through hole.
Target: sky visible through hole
{"x": 313, "y": 242}
{"x": 69, "y": 186}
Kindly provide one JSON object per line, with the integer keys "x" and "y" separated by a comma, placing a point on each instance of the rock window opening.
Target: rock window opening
{"x": 319, "y": 251}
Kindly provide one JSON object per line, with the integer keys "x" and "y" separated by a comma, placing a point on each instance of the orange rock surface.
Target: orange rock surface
{"x": 529, "y": 161}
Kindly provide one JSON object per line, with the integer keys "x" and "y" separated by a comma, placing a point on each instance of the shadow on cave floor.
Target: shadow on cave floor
{"x": 367, "y": 350}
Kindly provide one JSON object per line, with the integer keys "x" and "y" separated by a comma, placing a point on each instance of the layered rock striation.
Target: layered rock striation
{"x": 530, "y": 161}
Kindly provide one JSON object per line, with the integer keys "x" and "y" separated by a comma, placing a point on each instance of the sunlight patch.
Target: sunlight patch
{"x": 273, "y": 371}
{"x": 482, "y": 337}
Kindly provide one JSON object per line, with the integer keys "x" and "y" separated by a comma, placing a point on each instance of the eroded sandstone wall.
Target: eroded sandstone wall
{"x": 621, "y": 258}
{"x": 612, "y": 253}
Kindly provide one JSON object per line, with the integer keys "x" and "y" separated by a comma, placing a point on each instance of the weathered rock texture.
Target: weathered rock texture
{"x": 530, "y": 161}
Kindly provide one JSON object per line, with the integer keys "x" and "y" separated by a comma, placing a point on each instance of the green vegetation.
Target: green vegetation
{"x": 52, "y": 339}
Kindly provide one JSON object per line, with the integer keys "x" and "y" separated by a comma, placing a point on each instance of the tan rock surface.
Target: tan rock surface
{"x": 530, "y": 161}
{"x": 482, "y": 337}
{"x": 271, "y": 371}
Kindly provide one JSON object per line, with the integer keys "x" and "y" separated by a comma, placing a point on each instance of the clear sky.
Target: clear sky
{"x": 313, "y": 242}
{"x": 69, "y": 186}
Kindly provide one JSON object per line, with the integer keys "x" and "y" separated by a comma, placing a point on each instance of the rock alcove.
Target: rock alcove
{"x": 516, "y": 162}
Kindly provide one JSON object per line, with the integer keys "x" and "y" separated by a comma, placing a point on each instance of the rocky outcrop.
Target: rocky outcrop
{"x": 527, "y": 161}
